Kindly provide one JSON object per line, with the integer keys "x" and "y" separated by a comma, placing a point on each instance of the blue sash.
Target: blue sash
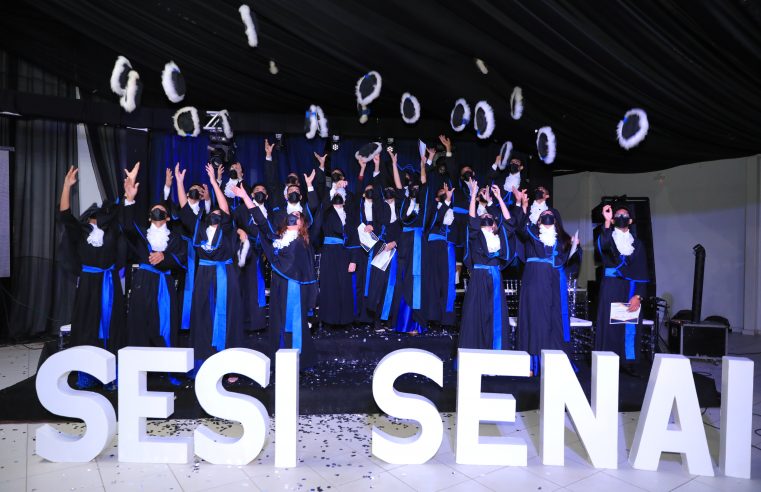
{"x": 187, "y": 295}
{"x": 496, "y": 280}
{"x": 262, "y": 295}
{"x": 416, "y": 263}
{"x": 164, "y": 302}
{"x": 387, "y": 301}
{"x": 219, "y": 333}
{"x": 106, "y": 298}
{"x": 630, "y": 335}
{"x": 333, "y": 240}
{"x": 293, "y": 322}
{"x": 563, "y": 291}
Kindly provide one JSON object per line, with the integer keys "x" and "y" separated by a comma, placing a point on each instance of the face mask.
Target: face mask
{"x": 388, "y": 193}
{"x": 336, "y": 177}
{"x": 293, "y": 219}
{"x": 442, "y": 198}
{"x": 337, "y": 199}
{"x": 260, "y": 197}
{"x": 442, "y": 169}
{"x": 369, "y": 194}
{"x": 547, "y": 219}
{"x": 215, "y": 219}
{"x": 621, "y": 221}
{"x": 158, "y": 214}
{"x": 467, "y": 175}
{"x": 514, "y": 168}
{"x": 487, "y": 222}
{"x": 233, "y": 174}
{"x": 294, "y": 197}
{"x": 194, "y": 194}
{"x": 538, "y": 195}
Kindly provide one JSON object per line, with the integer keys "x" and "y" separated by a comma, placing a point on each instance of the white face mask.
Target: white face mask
{"x": 548, "y": 235}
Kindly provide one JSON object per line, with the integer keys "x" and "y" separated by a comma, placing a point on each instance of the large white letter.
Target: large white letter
{"x": 422, "y": 446}
{"x": 597, "y": 426}
{"x": 671, "y": 386}
{"x": 736, "y": 416}
{"x": 474, "y": 407}
{"x": 136, "y": 403}
{"x": 59, "y": 398}
{"x": 286, "y": 407}
{"x": 219, "y": 402}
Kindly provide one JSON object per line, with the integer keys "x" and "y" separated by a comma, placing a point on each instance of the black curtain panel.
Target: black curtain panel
{"x": 108, "y": 149}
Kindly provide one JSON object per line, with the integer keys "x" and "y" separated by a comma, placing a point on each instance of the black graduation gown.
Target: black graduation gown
{"x": 485, "y": 319}
{"x": 355, "y": 216}
{"x": 624, "y": 276}
{"x": 543, "y": 319}
{"x": 94, "y": 264}
{"x": 383, "y": 283}
{"x": 439, "y": 263}
{"x": 206, "y": 291}
{"x": 251, "y": 274}
{"x": 337, "y": 296}
{"x": 292, "y": 271}
{"x": 143, "y": 313}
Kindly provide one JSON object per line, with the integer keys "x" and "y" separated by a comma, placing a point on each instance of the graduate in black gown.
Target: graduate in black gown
{"x": 216, "y": 315}
{"x": 153, "y": 316}
{"x": 360, "y": 211}
{"x": 293, "y": 292}
{"x": 485, "y": 320}
{"x": 439, "y": 265}
{"x": 95, "y": 246}
{"x": 543, "y": 317}
{"x": 625, "y": 280}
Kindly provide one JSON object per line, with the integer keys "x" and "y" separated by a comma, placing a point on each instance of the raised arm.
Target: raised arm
{"x": 395, "y": 170}
{"x": 240, "y": 192}
{"x": 270, "y": 171}
{"x": 473, "y": 187}
{"x": 180, "y": 175}
{"x": 423, "y": 176}
{"x": 218, "y": 193}
{"x": 498, "y": 195}
{"x": 69, "y": 181}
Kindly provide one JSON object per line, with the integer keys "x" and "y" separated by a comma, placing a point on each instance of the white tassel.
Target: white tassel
{"x": 489, "y": 115}
{"x": 168, "y": 85}
{"x": 639, "y": 136}
{"x": 482, "y": 66}
{"x": 119, "y": 66}
{"x": 415, "y": 105}
{"x": 128, "y": 100}
{"x": 551, "y": 144}
{"x": 465, "y": 116}
{"x": 516, "y": 103}
{"x": 245, "y": 15}
{"x": 196, "y": 122}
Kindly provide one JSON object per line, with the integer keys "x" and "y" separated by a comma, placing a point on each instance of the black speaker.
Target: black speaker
{"x": 704, "y": 340}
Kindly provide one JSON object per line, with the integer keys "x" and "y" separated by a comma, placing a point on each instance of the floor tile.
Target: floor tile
{"x": 429, "y": 476}
{"x": 516, "y": 478}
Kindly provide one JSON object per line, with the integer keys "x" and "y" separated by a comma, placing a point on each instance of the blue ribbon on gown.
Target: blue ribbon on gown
{"x": 164, "y": 302}
{"x": 388, "y": 300}
{"x": 106, "y": 298}
{"x": 293, "y": 322}
{"x": 219, "y": 332}
{"x": 563, "y": 291}
{"x": 187, "y": 294}
{"x": 417, "y": 255}
{"x": 496, "y": 279}
{"x": 630, "y": 334}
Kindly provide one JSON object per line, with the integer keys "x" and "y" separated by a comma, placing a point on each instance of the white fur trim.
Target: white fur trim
{"x": 121, "y": 62}
{"x": 505, "y": 151}
{"x": 95, "y": 238}
{"x": 373, "y": 95}
{"x": 310, "y": 134}
{"x": 624, "y": 241}
{"x": 166, "y": 82}
{"x": 322, "y": 122}
{"x": 288, "y": 237}
{"x": 551, "y": 144}
{"x": 226, "y": 128}
{"x": 482, "y": 66}
{"x": 516, "y": 103}
{"x": 548, "y": 236}
{"x": 465, "y": 115}
{"x": 128, "y": 101}
{"x": 373, "y": 154}
{"x": 196, "y": 121}
{"x": 638, "y": 137}
{"x": 415, "y": 105}
{"x": 158, "y": 237}
{"x": 245, "y": 15}
{"x": 489, "y": 113}
{"x": 243, "y": 252}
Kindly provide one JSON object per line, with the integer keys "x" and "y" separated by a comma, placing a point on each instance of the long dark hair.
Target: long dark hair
{"x": 564, "y": 240}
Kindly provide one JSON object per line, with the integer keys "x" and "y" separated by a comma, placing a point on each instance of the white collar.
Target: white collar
{"x": 368, "y": 210}
{"x": 341, "y": 214}
{"x": 624, "y": 241}
{"x": 492, "y": 240}
{"x": 210, "y": 231}
{"x": 536, "y": 210}
{"x": 548, "y": 236}
{"x": 158, "y": 237}
{"x": 95, "y": 238}
{"x": 195, "y": 207}
{"x": 512, "y": 181}
{"x": 294, "y": 207}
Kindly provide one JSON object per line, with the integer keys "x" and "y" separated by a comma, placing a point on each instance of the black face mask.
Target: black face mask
{"x": 467, "y": 175}
{"x": 337, "y": 199}
{"x": 442, "y": 169}
{"x": 158, "y": 214}
{"x": 514, "y": 168}
{"x": 233, "y": 174}
{"x": 388, "y": 193}
{"x": 215, "y": 219}
{"x": 369, "y": 194}
{"x": 538, "y": 195}
{"x": 621, "y": 221}
{"x": 336, "y": 177}
{"x": 294, "y": 197}
{"x": 194, "y": 194}
{"x": 487, "y": 222}
{"x": 442, "y": 198}
{"x": 260, "y": 197}
{"x": 547, "y": 219}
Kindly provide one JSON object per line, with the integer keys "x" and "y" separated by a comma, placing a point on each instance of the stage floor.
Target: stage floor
{"x": 334, "y": 454}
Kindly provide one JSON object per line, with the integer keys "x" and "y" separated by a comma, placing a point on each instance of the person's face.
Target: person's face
{"x": 198, "y": 189}
{"x": 465, "y": 170}
{"x": 159, "y": 222}
{"x": 238, "y": 168}
{"x": 621, "y": 219}
{"x": 547, "y": 220}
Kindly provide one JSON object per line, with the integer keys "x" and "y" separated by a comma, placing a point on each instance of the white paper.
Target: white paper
{"x": 366, "y": 239}
{"x": 619, "y": 313}
{"x": 383, "y": 259}
{"x": 421, "y": 148}
{"x": 574, "y": 244}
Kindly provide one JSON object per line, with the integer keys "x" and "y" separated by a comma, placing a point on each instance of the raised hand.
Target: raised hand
{"x": 268, "y": 147}
{"x": 130, "y": 189}
{"x": 132, "y": 174}
{"x": 449, "y": 192}
{"x": 472, "y": 186}
{"x": 496, "y": 192}
{"x": 180, "y": 174}
{"x": 485, "y": 194}
{"x": 168, "y": 178}
{"x": 393, "y": 157}
{"x": 321, "y": 159}
{"x": 607, "y": 213}
{"x": 210, "y": 171}
{"x": 239, "y": 191}
{"x": 446, "y": 142}
{"x": 220, "y": 170}
{"x": 71, "y": 177}
{"x": 309, "y": 178}
{"x": 242, "y": 235}
{"x": 376, "y": 160}
{"x": 362, "y": 163}
{"x": 342, "y": 184}
{"x": 518, "y": 195}
{"x": 431, "y": 152}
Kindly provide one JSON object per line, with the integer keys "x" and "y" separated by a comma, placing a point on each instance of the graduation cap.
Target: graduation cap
{"x": 369, "y": 151}
{"x": 410, "y": 108}
{"x": 516, "y": 103}
{"x": 226, "y": 128}
{"x": 322, "y": 122}
{"x": 483, "y": 120}
{"x": 505, "y": 151}
{"x": 460, "y": 116}
{"x": 632, "y": 130}
{"x": 119, "y": 75}
{"x": 545, "y": 144}
{"x": 173, "y": 82}
{"x": 186, "y": 122}
{"x": 367, "y": 90}
{"x": 249, "y": 20}
{"x": 310, "y": 122}
{"x": 131, "y": 98}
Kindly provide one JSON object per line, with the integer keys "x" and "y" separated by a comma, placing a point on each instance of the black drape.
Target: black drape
{"x": 108, "y": 149}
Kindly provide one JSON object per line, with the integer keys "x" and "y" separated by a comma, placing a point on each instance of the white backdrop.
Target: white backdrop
{"x": 705, "y": 203}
